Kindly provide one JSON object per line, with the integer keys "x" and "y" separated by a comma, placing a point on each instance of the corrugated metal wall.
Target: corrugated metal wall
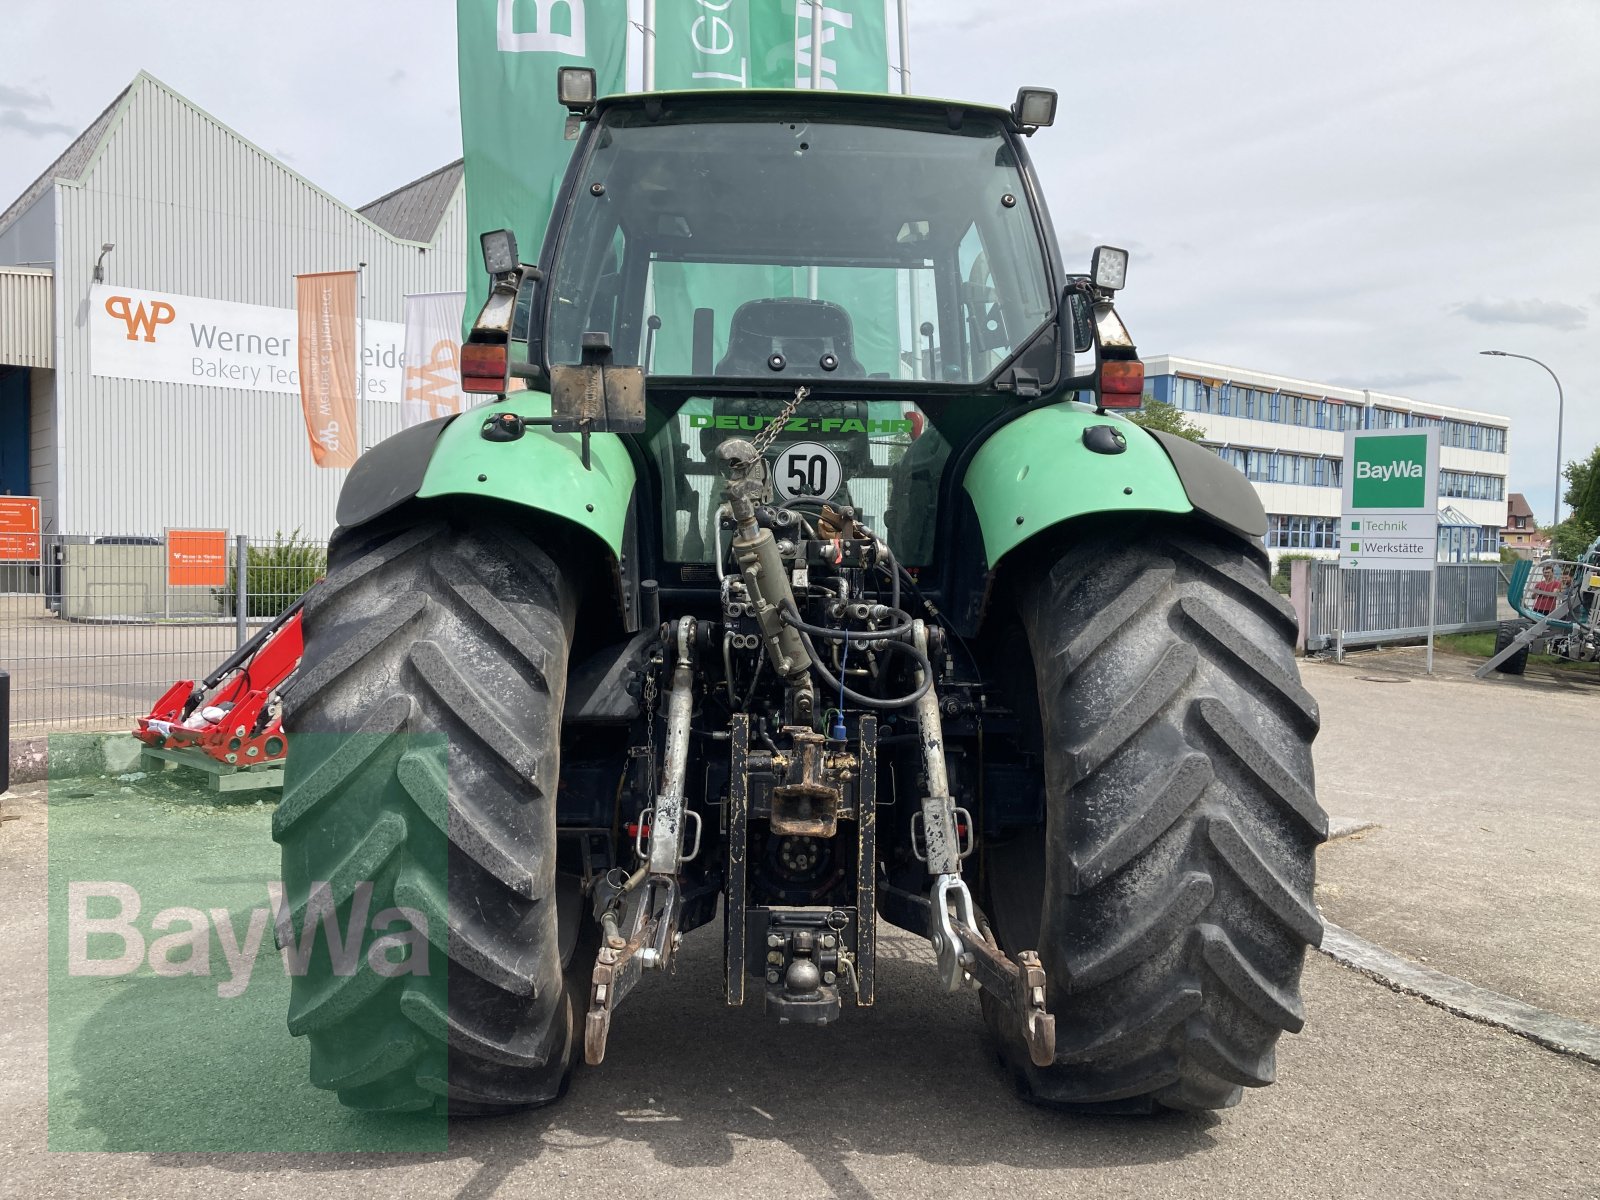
{"x": 194, "y": 209}
{"x": 26, "y": 327}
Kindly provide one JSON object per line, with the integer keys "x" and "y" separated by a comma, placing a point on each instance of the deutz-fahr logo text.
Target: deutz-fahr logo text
{"x": 140, "y": 318}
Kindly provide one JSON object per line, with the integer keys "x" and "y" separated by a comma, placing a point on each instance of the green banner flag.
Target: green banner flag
{"x": 855, "y": 45}
{"x": 767, "y": 44}
{"x": 513, "y": 133}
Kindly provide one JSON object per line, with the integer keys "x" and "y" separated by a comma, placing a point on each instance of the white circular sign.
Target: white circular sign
{"x": 807, "y": 470}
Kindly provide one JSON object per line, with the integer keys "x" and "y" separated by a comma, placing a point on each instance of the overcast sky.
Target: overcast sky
{"x": 1357, "y": 191}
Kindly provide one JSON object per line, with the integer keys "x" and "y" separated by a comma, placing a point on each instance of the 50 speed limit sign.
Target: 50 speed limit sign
{"x": 807, "y": 470}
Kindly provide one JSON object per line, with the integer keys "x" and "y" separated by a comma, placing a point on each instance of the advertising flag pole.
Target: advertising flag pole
{"x": 816, "y": 45}
{"x": 905, "y": 90}
{"x": 649, "y": 45}
{"x": 816, "y": 85}
{"x": 905, "y": 47}
{"x": 363, "y": 429}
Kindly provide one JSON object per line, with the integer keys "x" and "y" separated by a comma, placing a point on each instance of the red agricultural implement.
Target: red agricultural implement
{"x": 229, "y": 723}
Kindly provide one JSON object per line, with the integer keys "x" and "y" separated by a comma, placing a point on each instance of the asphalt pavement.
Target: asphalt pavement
{"x": 1485, "y": 862}
{"x": 1470, "y": 867}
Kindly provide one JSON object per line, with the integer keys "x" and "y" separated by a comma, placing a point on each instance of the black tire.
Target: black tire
{"x": 1504, "y": 635}
{"x": 1171, "y": 896}
{"x": 459, "y": 631}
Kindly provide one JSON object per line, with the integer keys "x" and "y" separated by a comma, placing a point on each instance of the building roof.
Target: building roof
{"x": 413, "y": 212}
{"x": 1166, "y": 364}
{"x": 1517, "y": 506}
{"x": 72, "y": 163}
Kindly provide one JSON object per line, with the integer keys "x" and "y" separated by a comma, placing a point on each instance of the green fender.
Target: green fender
{"x": 541, "y": 470}
{"x": 1036, "y": 472}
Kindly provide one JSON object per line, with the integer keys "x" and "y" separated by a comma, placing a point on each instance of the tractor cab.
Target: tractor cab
{"x": 890, "y": 256}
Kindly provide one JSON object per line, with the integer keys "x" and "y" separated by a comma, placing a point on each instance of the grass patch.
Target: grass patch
{"x": 1481, "y": 645}
{"x": 1476, "y": 645}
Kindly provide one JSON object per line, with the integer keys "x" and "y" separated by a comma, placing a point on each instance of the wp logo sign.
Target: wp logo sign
{"x": 140, "y": 318}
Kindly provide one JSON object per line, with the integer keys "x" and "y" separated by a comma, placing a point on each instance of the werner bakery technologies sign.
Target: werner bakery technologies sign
{"x": 167, "y": 338}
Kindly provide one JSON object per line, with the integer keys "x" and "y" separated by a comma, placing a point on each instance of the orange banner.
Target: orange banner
{"x": 19, "y": 529}
{"x": 197, "y": 558}
{"x": 326, "y": 305}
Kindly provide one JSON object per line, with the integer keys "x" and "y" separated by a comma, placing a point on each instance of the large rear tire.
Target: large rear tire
{"x": 1171, "y": 896}
{"x": 460, "y": 632}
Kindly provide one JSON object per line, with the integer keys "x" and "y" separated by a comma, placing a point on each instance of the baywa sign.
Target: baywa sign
{"x": 1392, "y": 471}
{"x": 166, "y": 338}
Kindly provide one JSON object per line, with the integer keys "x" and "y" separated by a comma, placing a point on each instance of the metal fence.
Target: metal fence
{"x": 97, "y": 628}
{"x": 1387, "y": 606}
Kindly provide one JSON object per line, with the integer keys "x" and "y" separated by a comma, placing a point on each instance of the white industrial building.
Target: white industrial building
{"x": 1287, "y": 436}
{"x": 134, "y": 395}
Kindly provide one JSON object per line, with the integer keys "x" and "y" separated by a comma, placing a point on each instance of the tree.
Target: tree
{"x": 1583, "y": 490}
{"x": 1157, "y": 415}
{"x": 1570, "y": 539}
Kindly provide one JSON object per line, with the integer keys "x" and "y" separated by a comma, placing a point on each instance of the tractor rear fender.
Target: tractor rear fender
{"x": 541, "y": 471}
{"x": 1064, "y": 461}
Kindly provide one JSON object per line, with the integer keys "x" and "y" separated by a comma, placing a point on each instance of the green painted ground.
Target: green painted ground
{"x": 143, "y": 1057}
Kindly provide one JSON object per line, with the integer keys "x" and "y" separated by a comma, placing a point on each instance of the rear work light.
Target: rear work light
{"x": 483, "y": 367}
{"x": 1122, "y": 384}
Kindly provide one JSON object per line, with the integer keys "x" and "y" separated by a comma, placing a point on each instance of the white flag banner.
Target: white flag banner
{"x": 433, "y": 357}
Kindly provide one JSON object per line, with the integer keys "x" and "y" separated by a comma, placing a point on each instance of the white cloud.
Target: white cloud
{"x": 1551, "y": 313}
{"x": 15, "y": 97}
{"x": 21, "y": 122}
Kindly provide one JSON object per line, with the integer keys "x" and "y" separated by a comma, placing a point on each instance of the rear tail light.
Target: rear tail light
{"x": 483, "y": 367}
{"x": 1122, "y": 384}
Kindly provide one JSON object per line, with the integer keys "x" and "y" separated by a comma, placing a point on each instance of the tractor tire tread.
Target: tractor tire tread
{"x": 1183, "y": 820}
{"x": 427, "y": 723}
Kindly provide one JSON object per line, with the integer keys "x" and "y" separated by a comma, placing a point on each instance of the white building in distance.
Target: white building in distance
{"x": 1287, "y": 436}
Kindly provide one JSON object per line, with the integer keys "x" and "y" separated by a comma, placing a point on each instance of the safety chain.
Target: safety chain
{"x": 767, "y": 436}
{"x": 650, "y": 730}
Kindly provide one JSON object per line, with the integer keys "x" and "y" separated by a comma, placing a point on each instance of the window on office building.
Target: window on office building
{"x": 1291, "y": 532}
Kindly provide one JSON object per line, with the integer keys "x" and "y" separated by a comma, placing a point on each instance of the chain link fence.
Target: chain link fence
{"x": 100, "y": 625}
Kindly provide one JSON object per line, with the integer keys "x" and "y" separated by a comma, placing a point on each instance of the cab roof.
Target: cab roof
{"x": 806, "y": 100}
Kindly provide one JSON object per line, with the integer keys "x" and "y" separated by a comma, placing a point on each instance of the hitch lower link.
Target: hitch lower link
{"x": 966, "y": 957}
{"x": 639, "y": 915}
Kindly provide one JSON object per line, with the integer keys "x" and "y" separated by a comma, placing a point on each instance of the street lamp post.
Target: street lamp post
{"x": 1561, "y": 408}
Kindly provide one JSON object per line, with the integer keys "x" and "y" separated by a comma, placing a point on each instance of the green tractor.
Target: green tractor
{"x": 800, "y": 566}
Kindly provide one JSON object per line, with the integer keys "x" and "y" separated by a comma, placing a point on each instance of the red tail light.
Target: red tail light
{"x": 483, "y": 367}
{"x": 1122, "y": 384}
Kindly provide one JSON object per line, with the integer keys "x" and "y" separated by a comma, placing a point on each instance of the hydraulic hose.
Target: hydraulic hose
{"x": 837, "y": 685}
{"x": 895, "y": 633}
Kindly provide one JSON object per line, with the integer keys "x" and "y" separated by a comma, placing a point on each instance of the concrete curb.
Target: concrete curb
{"x": 75, "y": 755}
{"x": 1342, "y": 827}
{"x": 1561, "y": 1034}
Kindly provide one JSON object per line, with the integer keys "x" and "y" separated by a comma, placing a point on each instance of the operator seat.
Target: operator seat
{"x": 800, "y": 329}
